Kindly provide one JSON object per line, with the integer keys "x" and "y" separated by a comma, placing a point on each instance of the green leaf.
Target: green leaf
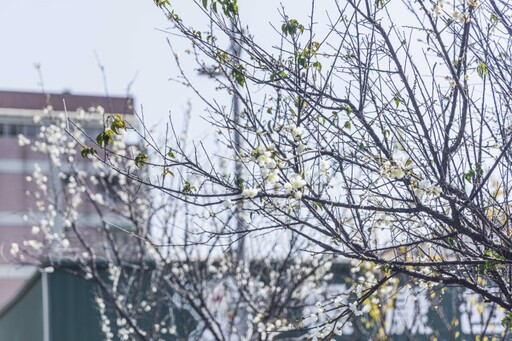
{"x": 205, "y": 3}
{"x": 507, "y": 321}
{"x": 141, "y": 160}
{"x": 170, "y": 154}
{"x": 451, "y": 241}
{"x": 494, "y": 19}
{"x": 106, "y": 137}
{"x": 318, "y": 66}
{"x": 86, "y": 151}
{"x": 347, "y": 108}
{"x": 386, "y": 133}
{"x": 317, "y": 205}
{"x": 238, "y": 74}
{"x": 269, "y": 126}
{"x": 167, "y": 171}
{"x": 117, "y": 124}
{"x": 291, "y": 27}
{"x": 347, "y": 125}
{"x": 188, "y": 187}
{"x": 481, "y": 69}
{"x": 161, "y": 3}
{"x": 397, "y": 99}
{"x": 240, "y": 182}
{"x": 302, "y": 62}
{"x": 470, "y": 175}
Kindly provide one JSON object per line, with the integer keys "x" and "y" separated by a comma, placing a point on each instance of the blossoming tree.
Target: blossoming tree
{"x": 157, "y": 275}
{"x": 374, "y": 131}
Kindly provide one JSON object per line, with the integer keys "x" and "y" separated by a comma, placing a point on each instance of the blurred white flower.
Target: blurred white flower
{"x": 22, "y": 140}
{"x": 250, "y": 192}
{"x": 228, "y": 203}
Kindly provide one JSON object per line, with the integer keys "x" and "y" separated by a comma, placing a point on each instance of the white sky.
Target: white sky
{"x": 64, "y": 37}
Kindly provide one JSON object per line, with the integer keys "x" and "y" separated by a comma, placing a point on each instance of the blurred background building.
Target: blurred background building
{"x": 17, "y": 113}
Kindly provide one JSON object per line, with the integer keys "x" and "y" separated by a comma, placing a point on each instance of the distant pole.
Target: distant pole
{"x": 237, "y": 50}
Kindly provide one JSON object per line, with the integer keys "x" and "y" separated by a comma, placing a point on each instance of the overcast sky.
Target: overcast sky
{"x": 68, "y": 38}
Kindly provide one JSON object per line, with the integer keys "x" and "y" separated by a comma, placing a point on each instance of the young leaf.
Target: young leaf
{"x": 397, "y": 99}
{"x": 86, "y": 151}
{"x": 481, "y": 69}
{"x": 141, "y": 160}
{"x": 106, "y": 137}
{"x": 188, "y": 187}
{"x": 167, "y": 171}
{"x": 117, "y": 123}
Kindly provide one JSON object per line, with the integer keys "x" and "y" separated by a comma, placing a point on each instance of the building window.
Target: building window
{"x": 13, "y": 130}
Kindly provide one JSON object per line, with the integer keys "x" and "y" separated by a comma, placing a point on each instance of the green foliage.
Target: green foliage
{"x": 318, "y": 66}
{"x": 86, "y": 151}
{"x": 106, "y": 137}
{"x": 470, "y": 175}
{"x": 474, "y": 174}
{"x": 222, "y": 57}
{"x": 166, "y": 172}
{"x": 494, "y": 19}
{"x": 397, "y": 99}
{"x": 170, "y": 154}
{"x": 303, "y": 57}
{"x": 507, "y": 321}
{"x": 451, "y": 241}
{"x": 481, "y": 69}
{"x": 162, "y": 3}
{"x": 117, "y": 123}
{"x": 291, "y": 27}
{"x": 240, "y": 182}
{"x": 229, "y": 7}
{"x": 278, "y": 75}
{"x": 238, "y": 74}
{"x": 188, "y": 188}
{"x": 490, "y": 261}
{"x": 141, "y": 160}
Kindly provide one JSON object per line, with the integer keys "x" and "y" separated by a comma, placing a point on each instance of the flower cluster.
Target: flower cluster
{"x": 392, "y": 170}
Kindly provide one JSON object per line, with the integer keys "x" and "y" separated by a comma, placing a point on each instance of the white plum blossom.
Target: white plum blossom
{"x": 353, "y": 307}
{"x": 324, "y": 165}
{"x": 228, "y": 203}
{"x": 359, "y": 290}
{"x": 271, "y": 164}
{"x": 288, "y": 187}
{"x": 297, "y": 132}
{"x": 34, "y": 244}
{"x": 272, "y": 177}
{"x": 15, "y": 249}
{"x": 22, "y": 140}
{"x": 297, "y": 181}
{"x": 250, "y": 192}
{"x": 264, "y": 158}
{"x": 394, "y": 171}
